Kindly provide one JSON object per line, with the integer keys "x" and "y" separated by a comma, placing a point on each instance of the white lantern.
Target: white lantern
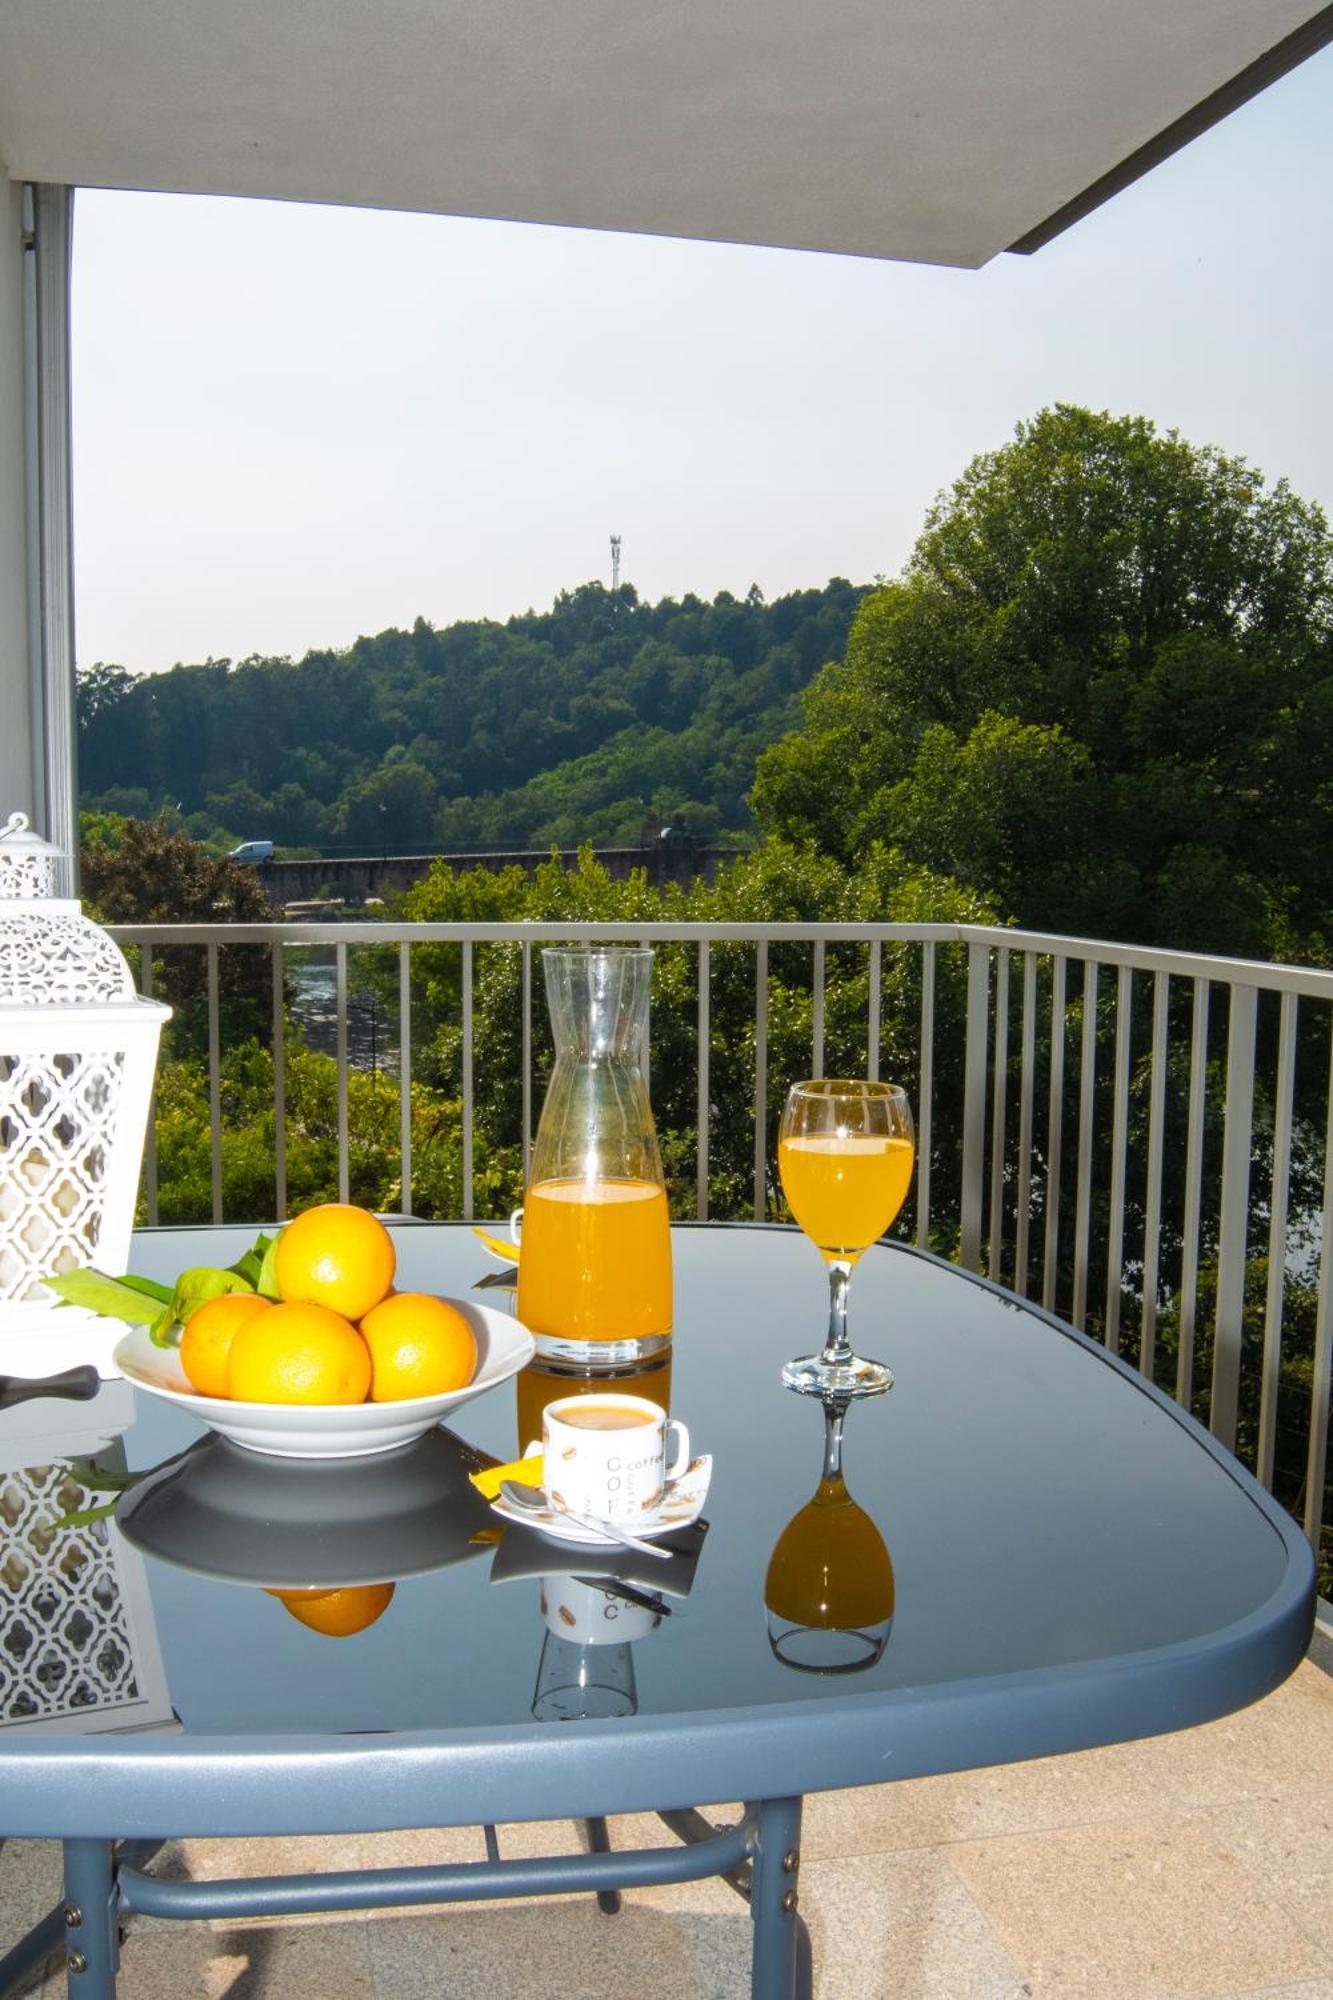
{"x": 78, "y": 1050}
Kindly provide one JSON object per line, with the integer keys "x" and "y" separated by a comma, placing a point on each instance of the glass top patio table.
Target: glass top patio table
{"x": 1075, "y": 1563}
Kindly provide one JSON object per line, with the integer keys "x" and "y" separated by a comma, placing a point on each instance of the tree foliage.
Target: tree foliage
{"x": 557, "y": 726}
{"x": 1101, "y": 692}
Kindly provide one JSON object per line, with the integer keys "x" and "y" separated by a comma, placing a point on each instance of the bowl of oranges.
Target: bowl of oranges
{"x": 319, "y": 1356}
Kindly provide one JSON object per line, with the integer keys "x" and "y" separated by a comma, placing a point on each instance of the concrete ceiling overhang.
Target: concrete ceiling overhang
{"x": 940, "y": 131}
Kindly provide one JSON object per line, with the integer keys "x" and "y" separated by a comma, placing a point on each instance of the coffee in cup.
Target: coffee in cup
{"x": 608, "y": 1455}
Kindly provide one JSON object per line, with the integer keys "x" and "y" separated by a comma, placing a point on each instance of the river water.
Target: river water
{"x": 372, "y": 1029}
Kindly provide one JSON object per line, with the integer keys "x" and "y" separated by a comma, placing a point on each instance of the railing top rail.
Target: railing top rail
{"x": 1311, "y": 981}
{"x": 532, "y": 933}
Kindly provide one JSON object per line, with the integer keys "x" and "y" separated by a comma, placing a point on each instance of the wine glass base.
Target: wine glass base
{"x": 811, "y": 1375}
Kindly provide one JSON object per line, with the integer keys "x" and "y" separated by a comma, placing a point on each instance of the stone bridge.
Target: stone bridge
{"x": 353, "y": 878}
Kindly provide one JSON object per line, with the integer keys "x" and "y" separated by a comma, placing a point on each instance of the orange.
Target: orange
{"x": 337, "y": 1613}
{"x": 298, "y": 1354}
{"x": 336, "y": 1256}
{"x": 209, "y": 1332}
{"x": 419, "y": 1346}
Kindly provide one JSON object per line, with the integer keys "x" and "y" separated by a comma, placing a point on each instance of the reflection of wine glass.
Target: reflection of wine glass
{"x": 845, "y": 1153}
{"x": 829, "y": 1592}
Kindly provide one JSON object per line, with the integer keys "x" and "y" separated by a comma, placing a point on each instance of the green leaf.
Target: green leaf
{"x": 109, "y": 1296}
{"x": 266, "y": 1284}
{"x": 197, "y": 1286}
{"x": 251, "y": 1264}
{"x": 160, "y": 1329}
{"x": 148, "y": 1286}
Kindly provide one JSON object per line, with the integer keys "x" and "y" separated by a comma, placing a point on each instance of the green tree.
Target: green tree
{"x": 1119, "y": 644}
{"x": 155, "y": 875}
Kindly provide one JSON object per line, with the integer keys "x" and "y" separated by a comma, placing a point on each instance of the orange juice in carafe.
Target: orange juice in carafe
{"x": 596, "y": 1262}
{"x": 594, "y": 1282}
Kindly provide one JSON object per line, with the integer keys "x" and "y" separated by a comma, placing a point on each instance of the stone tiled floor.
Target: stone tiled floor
{"x": 1193, "y": 1867}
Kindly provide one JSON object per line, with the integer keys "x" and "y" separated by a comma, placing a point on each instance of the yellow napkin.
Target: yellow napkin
{"x": 524, "y": 1471}
{"x": 498, "y": 1246}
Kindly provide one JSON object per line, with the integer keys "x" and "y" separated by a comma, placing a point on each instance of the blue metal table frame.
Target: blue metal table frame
{"x": 113, "y": 1800}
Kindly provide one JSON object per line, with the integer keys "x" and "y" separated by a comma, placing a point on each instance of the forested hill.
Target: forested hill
{"x": 556, "y": 726}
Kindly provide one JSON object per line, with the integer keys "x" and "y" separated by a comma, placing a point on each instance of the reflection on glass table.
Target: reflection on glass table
{"x": 586, "y": 1672}
{"x": 78, "y": 1643}
{"x": 309, "y": 1525}
{"x": 829, "y": 1593}
{"x": 594, "y": 1619}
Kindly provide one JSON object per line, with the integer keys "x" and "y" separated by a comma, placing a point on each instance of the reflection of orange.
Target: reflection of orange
{"x": 298, "y": 1354}
{"x": 419, "y": 1346}
{"x": 209, "y": 1332}
{"x": 337, "y": 1256}
{"x": 337, "y": 1613}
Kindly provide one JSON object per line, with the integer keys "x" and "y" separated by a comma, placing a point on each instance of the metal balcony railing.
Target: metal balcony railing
{"x": 1140, "y": 1139}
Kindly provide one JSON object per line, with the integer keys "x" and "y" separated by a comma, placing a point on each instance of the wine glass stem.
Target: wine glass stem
{"x": 837, "y": 1347}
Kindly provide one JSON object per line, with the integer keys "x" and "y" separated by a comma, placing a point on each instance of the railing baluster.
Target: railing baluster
{"x": 1115, "y": 1229}
{"x": 974, "y": 1103}
{"x": 999, "y": 1088}
{"x": 1152, "y": 1215}
{"x": 340, "y": 992}
{"x": 279, "y": 1086}
{"x": 1054, "y": 1135}
{"x": 1316, "y": 1466}
{"x": 150, "y": 1130}
{"x": 405, "y": 1076}
{"x": 214, "y": 1085}
{"x": 926, "y": 1095}
{"x": 467, "y": 1080}
{"x": 872, "y": 1024}
{"x": 527, "y": 1061}
{"x": 1027, "y": 1096}
{"x": 702, "y": 1085}
{"x": 1277, "y": 1238}
{"x": 1087, "y": 1081}
{"x": 1189, "y": 1258}
{"x": 1237, "y": 1129}
{"x": 761, "y": 1081}
{"x": 817, "y": 1038}
{"x": 647, "y": 1052}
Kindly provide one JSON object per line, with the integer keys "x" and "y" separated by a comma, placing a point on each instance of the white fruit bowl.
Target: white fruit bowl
{"x": 329, "y": 1430}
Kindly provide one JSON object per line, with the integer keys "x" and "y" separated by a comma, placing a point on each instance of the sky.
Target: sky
{"x": 294, "y": 425}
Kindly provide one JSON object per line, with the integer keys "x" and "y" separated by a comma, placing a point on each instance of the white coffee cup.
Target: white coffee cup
{"x": 607, "y": 1455}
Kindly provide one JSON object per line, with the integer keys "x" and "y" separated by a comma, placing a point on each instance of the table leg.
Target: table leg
{"x": 91, "y": 1936}
{"x": 780, "y": 1965}
{"x": 599, "y": 1842}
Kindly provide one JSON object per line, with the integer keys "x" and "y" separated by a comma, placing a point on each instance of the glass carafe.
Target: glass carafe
{"x": 594, "y": 1275}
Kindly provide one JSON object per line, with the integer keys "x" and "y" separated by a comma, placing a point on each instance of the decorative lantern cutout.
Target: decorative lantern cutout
{"x": 78, "y": 1049}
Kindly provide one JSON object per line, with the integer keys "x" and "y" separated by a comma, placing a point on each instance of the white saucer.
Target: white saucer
{"x": 682, "y": 1504}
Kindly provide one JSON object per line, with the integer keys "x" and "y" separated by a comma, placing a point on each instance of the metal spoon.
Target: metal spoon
{"x": 536, "y": 1500}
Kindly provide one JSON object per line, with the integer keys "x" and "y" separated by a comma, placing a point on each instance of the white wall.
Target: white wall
{"x": 15, "y": 736}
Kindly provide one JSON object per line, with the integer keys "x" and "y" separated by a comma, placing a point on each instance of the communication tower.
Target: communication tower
{"x": 615, "y": 562}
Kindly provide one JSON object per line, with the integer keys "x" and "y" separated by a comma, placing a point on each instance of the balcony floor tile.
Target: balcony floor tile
{"x": 1153, "y": 1908}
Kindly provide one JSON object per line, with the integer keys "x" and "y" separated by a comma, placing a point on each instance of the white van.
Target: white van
{"x": 252, "y": 851}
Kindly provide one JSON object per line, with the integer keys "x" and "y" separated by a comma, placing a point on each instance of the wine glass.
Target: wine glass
{"x": 845, "y": 1154}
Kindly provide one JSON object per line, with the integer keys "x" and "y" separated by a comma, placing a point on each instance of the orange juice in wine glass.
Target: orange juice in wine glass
{"x": 846, "y": 1148}
{"x": 845, "y": 1191}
